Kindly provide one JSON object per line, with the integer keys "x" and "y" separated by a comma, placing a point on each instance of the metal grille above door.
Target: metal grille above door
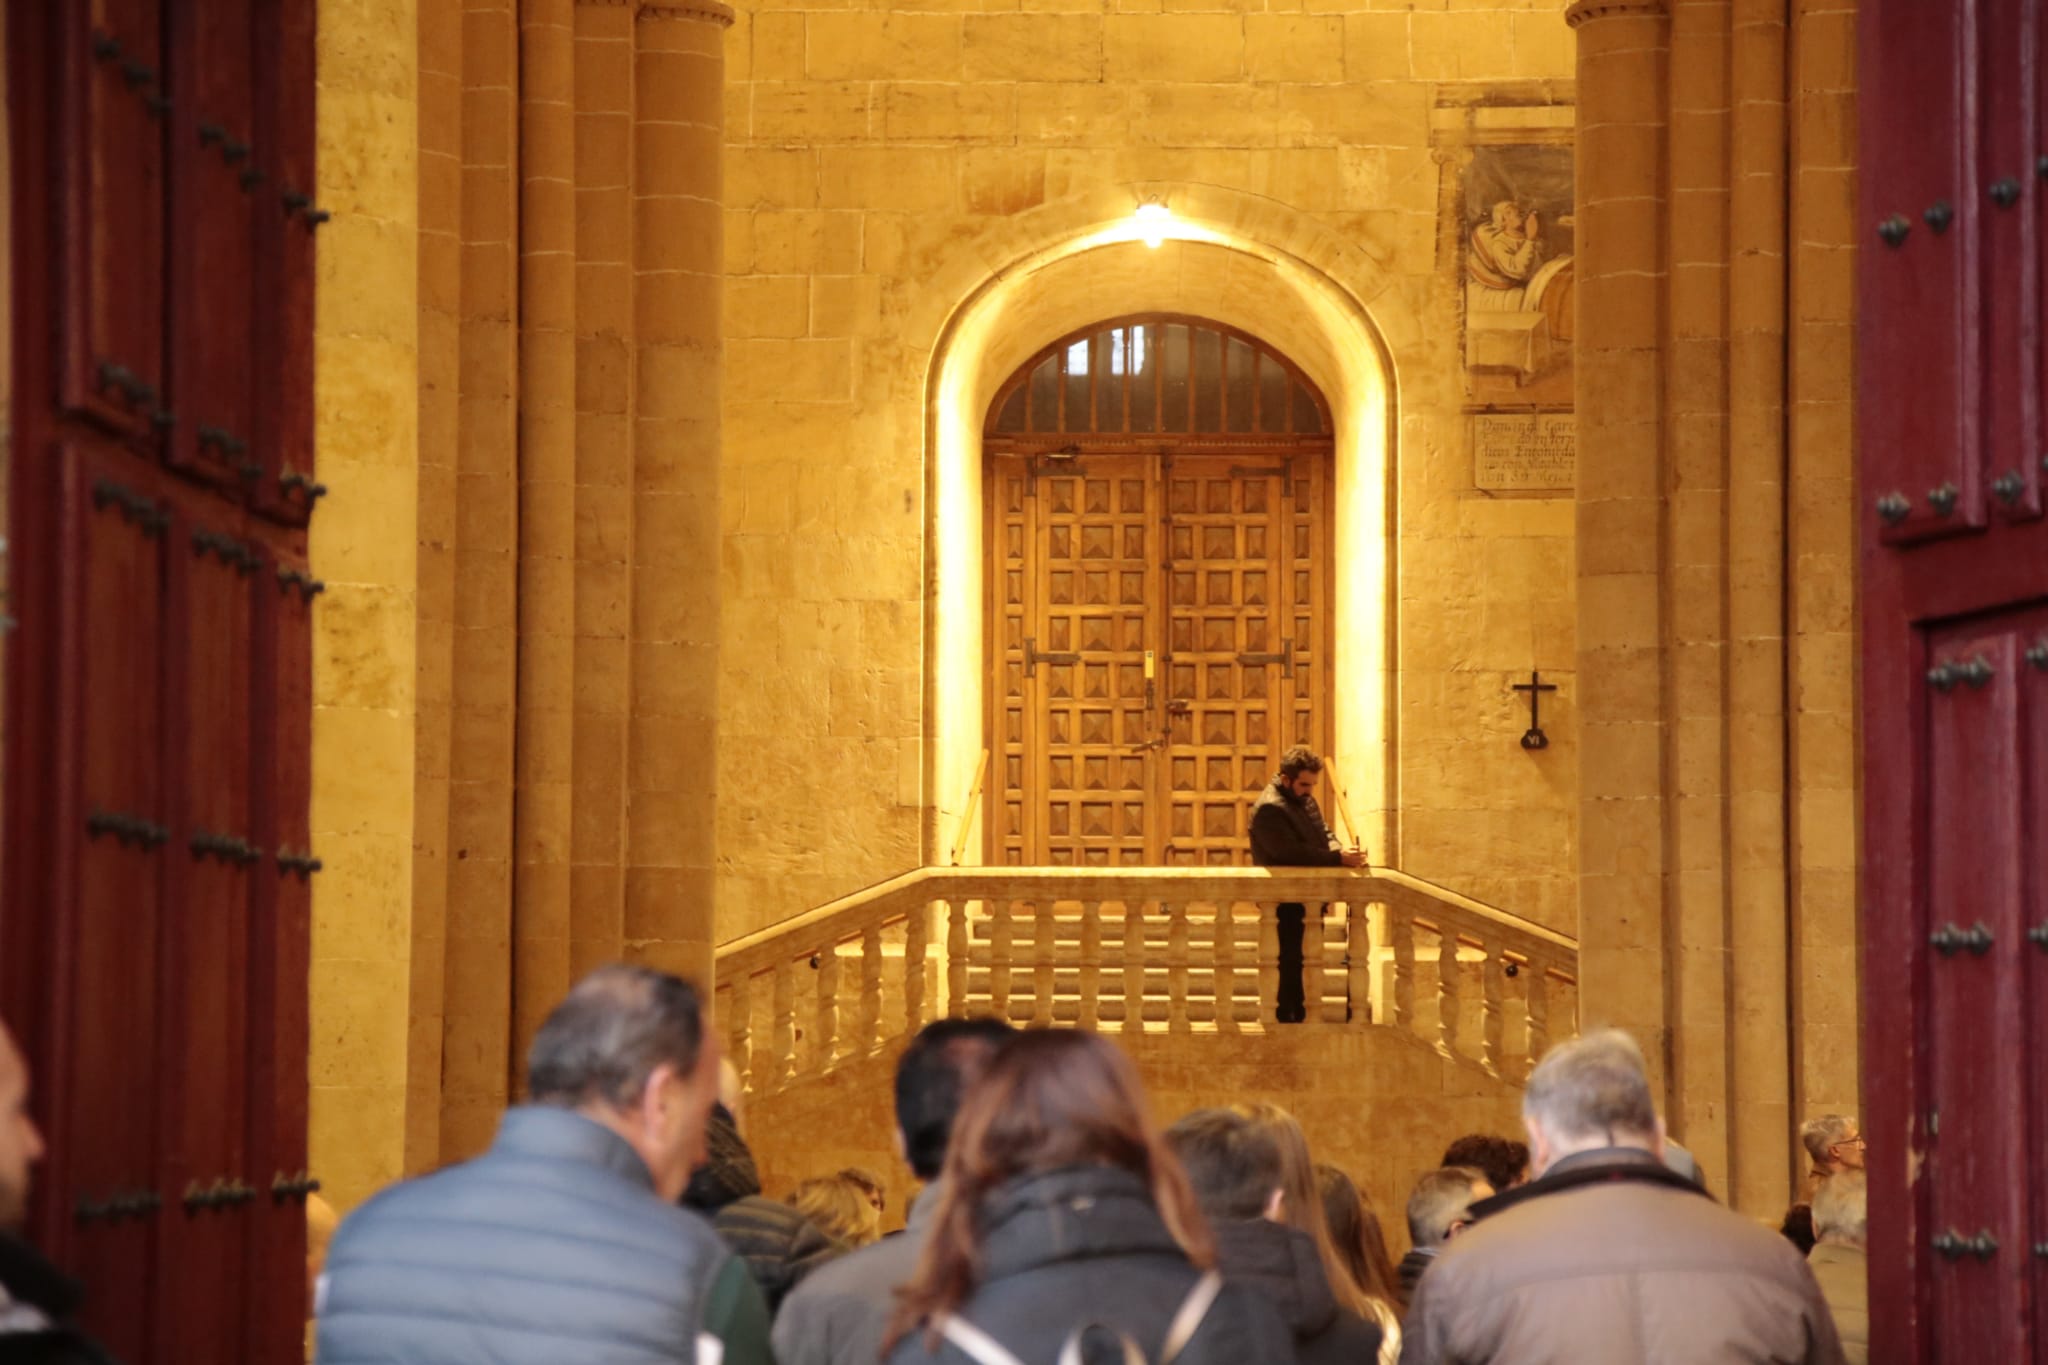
{"x": 1158, "y": 605}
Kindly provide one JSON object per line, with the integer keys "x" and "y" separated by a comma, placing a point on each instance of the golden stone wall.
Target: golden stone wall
{"x": 885, "y": 163}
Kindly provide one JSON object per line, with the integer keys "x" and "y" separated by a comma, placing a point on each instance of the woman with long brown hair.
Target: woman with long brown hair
{"x": 1359, "y": 1242}
{"x": 1303, "y": 1206}
{"x": 1063, "y": 1210}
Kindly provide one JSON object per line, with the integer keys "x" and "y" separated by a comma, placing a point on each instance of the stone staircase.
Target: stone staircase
{"x": 1433, "y": 1006}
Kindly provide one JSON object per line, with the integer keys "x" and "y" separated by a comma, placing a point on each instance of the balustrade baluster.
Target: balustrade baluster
{"x": 825, "y": 1031}
{"x": 1492, "y": 1028}
{"x": 1315, "y": 989}
{"x": 1134, "y": 967}
{"x": 959, "y": 946}
{"x": 1269, "y": 962}
{"x": 1044, "y": 960}
{"x": 1002, "y": 944}
{"x": 1224, "y": 949}
{"x": 870, "y": 1028}
{"x": 1539, "y": 1013}
{"x": 1358, "y": 965}
{"x": 1447, "y": 991}
{"x": 739, "y": 1022}
{"x": 1177, "y": 968}
{"x": 1090, "y": 1016}
{"x": 783, "y": 1064}
{"x": 1401, "y": 936}
{"x": 915, "y": 931}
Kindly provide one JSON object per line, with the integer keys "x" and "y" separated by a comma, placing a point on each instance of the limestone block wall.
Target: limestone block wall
{"x": 885, "y": 159}
{"x": 1381, "y": 1108}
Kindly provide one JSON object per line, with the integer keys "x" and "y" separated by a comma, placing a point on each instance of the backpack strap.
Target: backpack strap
{"x": 1188, "y": 1320}
{"x": 978, "y": 1345}
{"x": 984, "y": 1349}
{"x": 1070, "y": 1353}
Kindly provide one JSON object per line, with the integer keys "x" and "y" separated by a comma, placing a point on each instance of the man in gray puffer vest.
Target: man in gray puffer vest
{"x": 564, "y": 1241}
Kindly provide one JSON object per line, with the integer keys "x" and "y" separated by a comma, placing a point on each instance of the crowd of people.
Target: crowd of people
{"x": 619, "y": 1216}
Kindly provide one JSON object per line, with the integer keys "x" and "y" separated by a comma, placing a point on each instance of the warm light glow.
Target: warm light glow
{"x": 1154, "y": 221}
{"x": 1217, "y": 272}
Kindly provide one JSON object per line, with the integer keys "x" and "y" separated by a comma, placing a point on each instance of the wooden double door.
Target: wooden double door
{"x": 1160, "y": 606}
{"x": 1953, "y": 294}
{"x": 158, "y": 860}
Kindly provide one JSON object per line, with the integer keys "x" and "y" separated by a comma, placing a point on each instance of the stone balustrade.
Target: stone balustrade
{"x": 1176, "y": 950}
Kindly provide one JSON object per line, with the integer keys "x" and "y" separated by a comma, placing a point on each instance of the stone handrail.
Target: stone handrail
{"x": 1194, "y": 949}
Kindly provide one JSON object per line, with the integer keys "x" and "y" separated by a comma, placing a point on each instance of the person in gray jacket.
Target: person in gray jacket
{"x": 1609, "y": 1257}
{"x": 564, "y": 1241}
{"x": 838, "y": 1315}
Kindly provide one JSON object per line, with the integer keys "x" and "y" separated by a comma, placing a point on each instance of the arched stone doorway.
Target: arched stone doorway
{"x": 1159, "y": 569}
{"x": 1277, "y": 286}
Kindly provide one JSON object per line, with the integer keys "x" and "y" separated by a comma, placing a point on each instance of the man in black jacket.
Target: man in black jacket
{"x": 1288, "y": 830}
{"x": 1235, "y": 1168}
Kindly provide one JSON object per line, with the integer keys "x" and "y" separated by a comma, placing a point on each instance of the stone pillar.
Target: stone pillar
{"x": 440, "y": 328}
{"x": 363, "y": 544}
{"x": 547, "y": 513}
{"x": 604, "y": 479}
{"x": 1760, "y": 1166}
{"x": 477, "y": 1002}
{"x": 678, "y": 263}
{"x": 1696, "y": 511}
{"x": 1623, "y": 61}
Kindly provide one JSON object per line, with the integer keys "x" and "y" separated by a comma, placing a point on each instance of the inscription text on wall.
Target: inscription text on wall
{"x": 1520, "y": 451}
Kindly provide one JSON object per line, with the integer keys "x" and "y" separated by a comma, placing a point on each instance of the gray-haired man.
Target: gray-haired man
{"x": 1608, "y": 1257}
{"x": 563, "y": 1242}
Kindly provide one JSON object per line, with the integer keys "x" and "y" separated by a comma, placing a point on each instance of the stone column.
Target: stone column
{"x": 476, "y": 1060}
{"x": 678, "y": 263}
{"x": 1623, "y": 62}
{"x": 363, "y": 544}
{"x": 1760, "y": 1168}
{"x": 604, "y": 478}
{"x": 547, "y": 513}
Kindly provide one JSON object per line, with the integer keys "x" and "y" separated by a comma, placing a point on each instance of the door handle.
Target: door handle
{"x": 1033, "y": 658}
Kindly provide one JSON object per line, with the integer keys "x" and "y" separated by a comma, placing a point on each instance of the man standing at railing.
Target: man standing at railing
{"x": 1288, "y": 830}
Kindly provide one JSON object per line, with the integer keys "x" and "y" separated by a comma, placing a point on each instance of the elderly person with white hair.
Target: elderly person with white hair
{"x": 1833, "y": 1142}
{"x": 1608, "y": 1257}
{"x": 1841, "y": 1223}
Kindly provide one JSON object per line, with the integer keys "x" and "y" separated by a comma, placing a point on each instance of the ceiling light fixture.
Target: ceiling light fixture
{"x": 1154, "y": 218}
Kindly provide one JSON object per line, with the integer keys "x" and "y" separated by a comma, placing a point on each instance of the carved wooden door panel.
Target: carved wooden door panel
{"x": 1242, "y": 640}
{"x": 153, "y": 934}
{"x": 1955, "y": 678}
{"x": 1157, "y": 622}
{"x": 1088, "y": 654}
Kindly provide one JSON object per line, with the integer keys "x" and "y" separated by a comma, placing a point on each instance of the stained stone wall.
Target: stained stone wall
{"x": 887, "y": 159}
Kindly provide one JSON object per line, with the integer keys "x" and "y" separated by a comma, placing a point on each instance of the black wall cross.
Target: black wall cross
{"x": 1533, "y": 737}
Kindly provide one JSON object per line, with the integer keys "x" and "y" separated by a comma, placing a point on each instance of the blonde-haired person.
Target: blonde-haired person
{"x": 841, "y": 1207}
{"x": 1355, "y": 1232}
{"x": 1063, "y": 1209}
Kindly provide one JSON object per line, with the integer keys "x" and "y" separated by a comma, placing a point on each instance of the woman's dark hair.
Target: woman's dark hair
{"x": 1356, "y": 1235}
{"x": 1049, "y": 1100}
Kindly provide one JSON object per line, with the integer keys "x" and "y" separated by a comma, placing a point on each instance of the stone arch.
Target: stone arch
{"x": 1239, "y": 259}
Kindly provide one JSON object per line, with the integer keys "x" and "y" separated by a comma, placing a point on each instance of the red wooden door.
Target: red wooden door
{"x": 153, "y": 932}
{"x": 1955, "y": 679}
